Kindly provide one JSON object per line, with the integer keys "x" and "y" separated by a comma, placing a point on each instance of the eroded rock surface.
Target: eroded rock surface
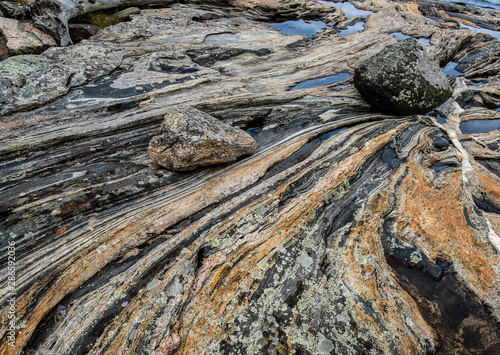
{"x": 402, "y": 79}
{"x": 189, "y": 138}
{"x": 347, "y": 231}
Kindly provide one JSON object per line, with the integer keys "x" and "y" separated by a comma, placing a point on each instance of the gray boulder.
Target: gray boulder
{"x": 189, "y": 138}
{"x": 402, "y": 79}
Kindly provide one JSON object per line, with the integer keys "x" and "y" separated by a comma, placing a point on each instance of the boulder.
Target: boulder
{"x": 402, "y": 79}
{"x": 189, "y": 138}
{"x": 23, "y": 37}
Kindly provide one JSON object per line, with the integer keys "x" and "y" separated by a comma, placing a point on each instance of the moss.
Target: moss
{"x": 97, "y": 18}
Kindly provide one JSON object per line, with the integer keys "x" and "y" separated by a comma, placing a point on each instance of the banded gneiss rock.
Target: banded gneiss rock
{"x": 347, "y": 230}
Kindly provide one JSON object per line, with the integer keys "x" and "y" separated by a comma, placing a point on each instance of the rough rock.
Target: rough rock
{"x": 80, "y": 31}
{"x": 402, "y": 79}
{"x": 189, "y": 138}
{"x": 53, "y": 15}
{"x": 4, "y": 52}
{"x": 347, "y": 231}
{"x": 23, "y": 37}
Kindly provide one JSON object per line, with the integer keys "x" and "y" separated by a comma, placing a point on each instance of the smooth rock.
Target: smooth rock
{"x": 440, "y": 143}
{"x": 23, "y": 37}
{"x": 124, "y": 15}
{"x": 190, "y": 138}
{"x": 402, "y": 79}
{"x": 79, "y": 31}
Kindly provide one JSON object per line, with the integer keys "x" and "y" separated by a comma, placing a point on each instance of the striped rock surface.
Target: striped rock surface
{"x": 347, "y": 231}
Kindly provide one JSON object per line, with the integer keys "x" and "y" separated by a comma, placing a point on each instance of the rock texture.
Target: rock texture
{"x": 53, "y": 15}
{"x": 189, "y": 138}
{"x": 23, "y": 37}
{"x": 347, "y": 231}
{"x": 124, "y": 15}
{"x": 79, "y": 31}
{"x": 402, "y": 79}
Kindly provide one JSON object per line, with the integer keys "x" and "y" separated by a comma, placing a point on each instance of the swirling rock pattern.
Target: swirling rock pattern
{"x": 347, "y": 231}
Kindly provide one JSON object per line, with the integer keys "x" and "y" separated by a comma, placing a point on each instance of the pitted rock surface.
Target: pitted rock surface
{"x": 189, "y": 138}
{"x": 402, "y": 79}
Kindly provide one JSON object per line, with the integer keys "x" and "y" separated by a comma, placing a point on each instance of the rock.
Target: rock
{"x": 79, "y": 31}
{"x": 53, "y": 15}
{"x": 402, "y": 79}
{"x": 23, "y": 37}
{"x": 474, "y": 62}
{"x": 190, "y": 138}
{"x": 124, "y": 15}
{"x": 4, "y": 52}
{"x": 331, "y": 234}
{"x": 440, "y": 143}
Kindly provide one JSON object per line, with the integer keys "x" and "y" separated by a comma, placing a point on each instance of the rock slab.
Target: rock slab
{"x": 23, "y": 37}
{"x": 189, "y": 138}
{"x": 402, "y": 79}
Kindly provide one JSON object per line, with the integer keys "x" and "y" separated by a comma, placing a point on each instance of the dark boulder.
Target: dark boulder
{"x": 80, "y": 31}
{"x": 189, "y": 138}
{"x": 402, "y": 79}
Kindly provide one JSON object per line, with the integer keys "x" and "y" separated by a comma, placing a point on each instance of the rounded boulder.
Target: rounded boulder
{"x": 402, "y": 80}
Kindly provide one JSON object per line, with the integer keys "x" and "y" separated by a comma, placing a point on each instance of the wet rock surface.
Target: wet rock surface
{"x": 402, "y": 79}
{"x": 189, "y": 138}
{"x": 346, "y": 231}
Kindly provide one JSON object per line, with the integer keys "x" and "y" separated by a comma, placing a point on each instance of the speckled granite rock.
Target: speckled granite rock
{"x": 402, "y": 79}
{"x": 189, "y": 138}
{"x": 346, "y": 231}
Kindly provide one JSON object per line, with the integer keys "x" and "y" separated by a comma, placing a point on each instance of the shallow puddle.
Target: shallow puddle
{"x": 299, "y": 27}
{"x": 253, "y": 131}
{"x": 357, "y": 27}
{"x": 399, "y": 35}
{"x": 449, "y": 69}
{"x": 424, "y": 41}
{"x": 347, "y": 8}
{"x": 492, "y": 33}
{"x": 479, "y": 126}
{"x": 326, "y": 80}
{"x": 332, "y": 133}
